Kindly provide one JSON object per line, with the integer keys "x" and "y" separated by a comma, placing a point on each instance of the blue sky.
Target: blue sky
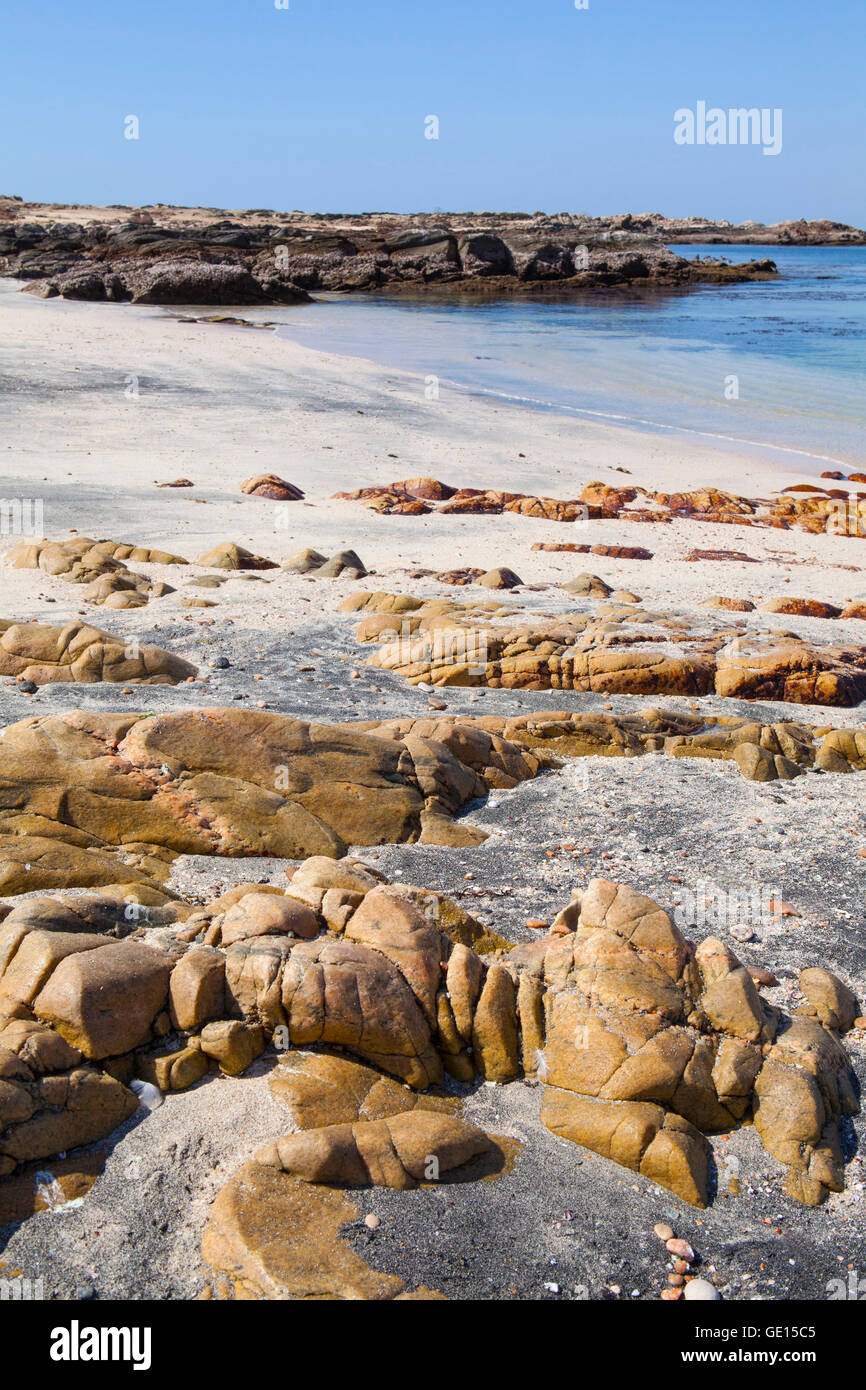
{"x": 322, "y": 106}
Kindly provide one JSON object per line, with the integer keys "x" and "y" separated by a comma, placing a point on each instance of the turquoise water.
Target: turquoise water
{"x": 656, "y": 361}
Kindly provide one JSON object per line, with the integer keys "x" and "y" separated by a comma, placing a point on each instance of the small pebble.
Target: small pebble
{"x": 663, "y": 1231}
{"x": 149, "y": 1097}
{"x": 681, "y": 1249}
{"x": 762, "y": 976}
{"x": 220, "y": 663}
{"x": 372, "y": 1221}
{"x": 741, "y": 932}
{"x": 700, "y": 1291}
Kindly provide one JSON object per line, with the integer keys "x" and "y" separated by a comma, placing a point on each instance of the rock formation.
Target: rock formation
{"x": 344, "y": 564}
{"x": 44, "y": 654}
{"x": 99, "y": 566}
{"x": 273, "y": 487}
{"x": 252, "y": 258}
{"x": 90, "y": 798}
{"x": 622, "y": 649}
{"x": 834, "y": 512}
{"x": 643, "y": 1041}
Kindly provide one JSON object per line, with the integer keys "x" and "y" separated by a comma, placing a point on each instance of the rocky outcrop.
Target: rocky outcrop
{"x": 273, "y": 259}
{"x": 819, "y": 511}
{"x": 767, "y": 667}
{"x": 276, "y": 1237}
{"x": 320, "y": 1088}
{"x": 801, "y": 607}
{"x": 345, "y": 564}
{"x": 763, "y": 752}
{"x": 50, "y": 1099}
{"x": 269, "y": 485}
{"x": 801, "y": 232}
{"x": 612, "y": 552}
{"x": 98, "y": 565}
{"x": 397, "y": 1152}
{"x": 643, "y": 1041}
{"x": 167, "y": 280}
{"x": 229, "y": 556}
{"x": 89, "y": 798}
{"x": 649, "y": 1042}
{"x": 77, "y": 652}
{"x": 623, "y": 649}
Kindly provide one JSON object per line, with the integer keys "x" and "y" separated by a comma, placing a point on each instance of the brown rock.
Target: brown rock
{"x": 78, "y": 1107}
{"x": 233, "y": 1045}
{"x": 104, "y": 1001}
{"x": 623, "y": 552}
{"x": 196, "y": 988}
{"x": 801, "y": 607}
{"x": 319, "y": 1089}
{"x": 398, "y": 1152}
{"x": 173, "y": 1071}
{"x": 345, "y": 994}
{"x": 393, "y": 925}
{"x": 266, "y": 914}
{"x": 828, "y": 999}
{"x": 233, "y": 782}
{"x": 279, "y": 1237}
{"x": 733, "y": 605}
{"x": 494, "y": 1027}
{"x": 762, "y": 668}
{"x": 663, "y": 1148}
{"x": 228, "y": 556}
{"x": 271, "y": 486}
{"x": 500, "y": 579}
{"x": 78, "y": 652}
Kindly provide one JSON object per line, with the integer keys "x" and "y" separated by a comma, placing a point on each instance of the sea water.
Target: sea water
{"x": 777, "y": 366}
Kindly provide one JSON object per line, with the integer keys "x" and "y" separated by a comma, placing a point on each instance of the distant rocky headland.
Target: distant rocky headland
{"x": 172, "y": 255}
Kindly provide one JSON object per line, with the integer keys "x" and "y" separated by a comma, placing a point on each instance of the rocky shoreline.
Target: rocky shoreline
{"x": 163, "y": 255}
{"x": 389, "y": 908}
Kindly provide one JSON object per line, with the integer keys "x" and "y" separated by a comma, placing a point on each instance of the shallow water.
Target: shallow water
{"x": 648, "y": 359}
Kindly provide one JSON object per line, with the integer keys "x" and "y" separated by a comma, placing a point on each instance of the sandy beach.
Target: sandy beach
{"x": 217, "y": 403}
{"x": 103, "y": 402}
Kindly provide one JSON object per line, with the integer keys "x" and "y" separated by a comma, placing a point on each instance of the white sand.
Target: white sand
{"x": 217, "y": 404}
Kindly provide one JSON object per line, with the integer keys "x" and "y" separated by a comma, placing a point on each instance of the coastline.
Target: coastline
{"x": 273, "y": 375}
{"x": 216, "y": 404}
